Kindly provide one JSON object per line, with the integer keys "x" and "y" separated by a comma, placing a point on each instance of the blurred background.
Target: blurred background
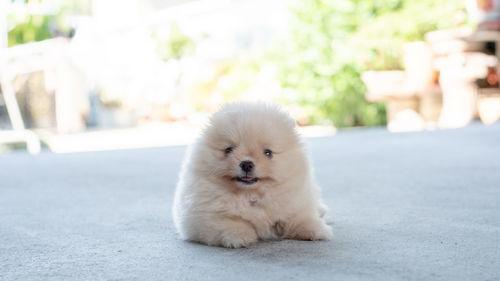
{"x": 82, "y": 75}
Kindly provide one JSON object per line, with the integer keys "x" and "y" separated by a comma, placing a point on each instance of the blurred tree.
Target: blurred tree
{"x": 55, "y": 20}
{"x": 334, "y": 41}
{"x": 175, "y": 46}
{"x": 31, "y": 28}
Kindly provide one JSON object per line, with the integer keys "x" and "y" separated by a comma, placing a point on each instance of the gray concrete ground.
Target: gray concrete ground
{"x": 413, "y": 206}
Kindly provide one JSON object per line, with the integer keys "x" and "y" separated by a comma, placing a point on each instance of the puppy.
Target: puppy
{"x": 248, "y": 178}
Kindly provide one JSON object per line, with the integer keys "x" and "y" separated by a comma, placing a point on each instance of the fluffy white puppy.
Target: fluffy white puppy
{"x": 248, "y": 178}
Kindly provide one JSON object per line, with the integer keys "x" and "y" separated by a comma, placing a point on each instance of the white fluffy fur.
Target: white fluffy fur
{"x": 211, "y": 207}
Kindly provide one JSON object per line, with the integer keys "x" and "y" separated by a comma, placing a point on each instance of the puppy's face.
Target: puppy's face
{"x": 251, "y": 145}
{"x": 248, "y": 163}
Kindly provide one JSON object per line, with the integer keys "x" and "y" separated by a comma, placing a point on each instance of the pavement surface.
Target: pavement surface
{"x": 408, "y": 206}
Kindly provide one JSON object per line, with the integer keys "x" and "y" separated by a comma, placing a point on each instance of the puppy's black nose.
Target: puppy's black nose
{"x": 246, "y": 166}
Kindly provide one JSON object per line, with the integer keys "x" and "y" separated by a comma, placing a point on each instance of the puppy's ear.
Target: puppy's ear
{"x": 285, "y": 115}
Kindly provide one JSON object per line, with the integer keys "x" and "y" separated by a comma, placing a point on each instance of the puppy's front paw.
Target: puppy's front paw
{"x": 239, "y": 237}
{"x": 325, "y": 233}
{"x": 236, "y": 242}
{"x": 313, "y": 230}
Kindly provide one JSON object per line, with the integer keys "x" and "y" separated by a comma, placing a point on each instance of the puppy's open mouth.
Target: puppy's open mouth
{"x": 247, "y": 179}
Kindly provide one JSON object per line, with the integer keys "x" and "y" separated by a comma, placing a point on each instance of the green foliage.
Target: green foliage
{"x": 175, "y": 46}
{"x": 379, "y": 42}
{"x": 25, "y": 28}
{"x": 333, "y": 42}
{"x": 31, "y": 28}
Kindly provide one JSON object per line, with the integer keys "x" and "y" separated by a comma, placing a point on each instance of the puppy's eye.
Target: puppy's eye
{"x": 228, "y": 150}
{"x": 268, "y": 153}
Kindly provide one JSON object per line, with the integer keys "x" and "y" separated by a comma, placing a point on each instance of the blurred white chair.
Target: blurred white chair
{"x": 14, "y": 61}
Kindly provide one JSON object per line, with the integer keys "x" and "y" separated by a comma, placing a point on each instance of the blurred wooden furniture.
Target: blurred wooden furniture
{"x": 448, "y": 81}
{"x": 412, "y": 98}
{"x": 488, "y": 105}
